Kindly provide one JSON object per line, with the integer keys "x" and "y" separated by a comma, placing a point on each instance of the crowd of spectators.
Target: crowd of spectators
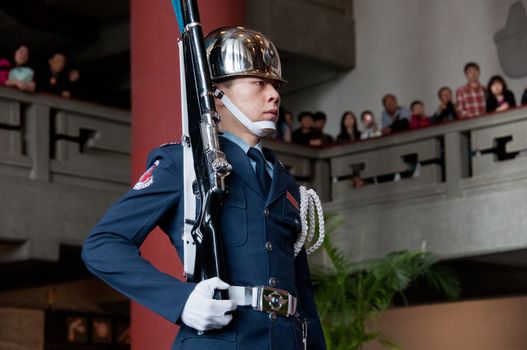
{"x": 471, "y": 100}
{"x": 53, "y": 77}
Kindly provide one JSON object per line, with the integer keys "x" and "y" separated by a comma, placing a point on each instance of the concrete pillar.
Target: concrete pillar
{"x": 155, "y": 120}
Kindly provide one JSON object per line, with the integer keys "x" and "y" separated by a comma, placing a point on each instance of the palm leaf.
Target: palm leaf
{"x": 350, "y": 296}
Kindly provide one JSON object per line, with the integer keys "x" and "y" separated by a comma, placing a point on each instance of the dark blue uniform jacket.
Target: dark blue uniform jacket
{"x": 248, "y": 221}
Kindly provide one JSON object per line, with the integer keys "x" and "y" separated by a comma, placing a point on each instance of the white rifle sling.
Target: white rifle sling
{"x": 189, "y": 176}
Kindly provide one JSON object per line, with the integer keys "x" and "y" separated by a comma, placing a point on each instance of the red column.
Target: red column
{"x": 155, "y": 120}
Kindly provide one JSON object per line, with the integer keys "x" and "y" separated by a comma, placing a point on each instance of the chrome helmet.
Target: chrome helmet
{"x": 238, "y": 51}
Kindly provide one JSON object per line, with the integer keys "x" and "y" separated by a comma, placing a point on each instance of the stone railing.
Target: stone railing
{"x": 439, "y": 159}
{"x": 62, "y": 163}
{"x": 47, "y": 138}
{"x": 457, "y": 188}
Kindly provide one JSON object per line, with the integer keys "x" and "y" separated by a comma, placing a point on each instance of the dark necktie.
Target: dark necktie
{"x": 261, "y": 169}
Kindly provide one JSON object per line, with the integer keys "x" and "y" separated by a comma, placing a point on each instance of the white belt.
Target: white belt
{"x": 265, "y": 299}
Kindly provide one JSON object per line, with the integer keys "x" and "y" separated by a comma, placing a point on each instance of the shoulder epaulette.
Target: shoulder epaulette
{"x": 170, "y": 144}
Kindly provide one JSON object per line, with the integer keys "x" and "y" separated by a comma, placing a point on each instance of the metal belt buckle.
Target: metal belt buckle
{"x": 273, "y": 300}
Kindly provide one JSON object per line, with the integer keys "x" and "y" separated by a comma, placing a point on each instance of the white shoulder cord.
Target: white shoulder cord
{"x": 309, "y": 202}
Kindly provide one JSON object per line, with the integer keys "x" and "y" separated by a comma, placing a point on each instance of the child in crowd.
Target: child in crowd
{"x": 349, "y": 131}
{"x": 370, "y": 128}
{"x": 499, "y": 97}
{"x": 21, "y": 76}
{"x": 418, "y": 119}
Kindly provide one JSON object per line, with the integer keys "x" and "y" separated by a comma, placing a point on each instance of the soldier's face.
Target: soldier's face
{"x": 257, "y": 98}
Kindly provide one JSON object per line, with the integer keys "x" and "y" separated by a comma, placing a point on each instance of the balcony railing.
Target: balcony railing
{"x": 457, "y": 188}
{"x": 56, "y": 140}
{"x": 61, "y": 163}
{"x": 442, "y": 159}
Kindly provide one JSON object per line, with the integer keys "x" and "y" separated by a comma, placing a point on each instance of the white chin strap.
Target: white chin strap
{"x": 261, "y": 128}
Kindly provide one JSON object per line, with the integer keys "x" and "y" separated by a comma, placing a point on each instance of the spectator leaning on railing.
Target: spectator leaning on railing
{"x": 319, "y": 122}
{"x": 419, "y": 118}
{"x": 5, "y": 66}
{"x": 305, "y": 135}
{"x": 395, "y": 118}
{"x": 53, "y": 79}
{"x": 369, "y": 126}
{"x": 21, "y": 76}
{"x": 446, "y": 110}
{"x": 349, "y": 130}
{"x": 470, "y": 98}
{"x": 499, "y": 98}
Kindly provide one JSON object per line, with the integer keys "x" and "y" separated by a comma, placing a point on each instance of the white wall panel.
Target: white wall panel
{"x": 411, "y": 48}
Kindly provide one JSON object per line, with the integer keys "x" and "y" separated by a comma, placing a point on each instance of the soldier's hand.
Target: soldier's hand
{"x": 204, "y": 313}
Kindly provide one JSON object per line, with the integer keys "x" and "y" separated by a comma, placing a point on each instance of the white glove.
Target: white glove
{"x": 204, "y": 313}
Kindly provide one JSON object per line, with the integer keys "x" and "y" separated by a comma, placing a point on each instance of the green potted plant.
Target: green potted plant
{"x": 351, "y": 295}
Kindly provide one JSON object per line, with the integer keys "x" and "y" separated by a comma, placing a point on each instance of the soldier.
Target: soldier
{"x": 271, "y": 305}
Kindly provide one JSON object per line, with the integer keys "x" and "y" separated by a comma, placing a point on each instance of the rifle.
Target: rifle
{"x": 202, "y": 239}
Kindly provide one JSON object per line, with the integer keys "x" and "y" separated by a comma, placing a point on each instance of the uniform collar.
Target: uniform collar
{"x": 241, "y": 166}
{"x": 245, "y": 148}
{"x": 240, "y": 143}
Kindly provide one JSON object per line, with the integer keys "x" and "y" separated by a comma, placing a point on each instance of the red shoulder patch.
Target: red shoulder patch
{"x": 147, "y": 178}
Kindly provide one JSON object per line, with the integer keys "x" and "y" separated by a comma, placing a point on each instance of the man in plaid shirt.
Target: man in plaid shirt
{"x": 470, "y": 98}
